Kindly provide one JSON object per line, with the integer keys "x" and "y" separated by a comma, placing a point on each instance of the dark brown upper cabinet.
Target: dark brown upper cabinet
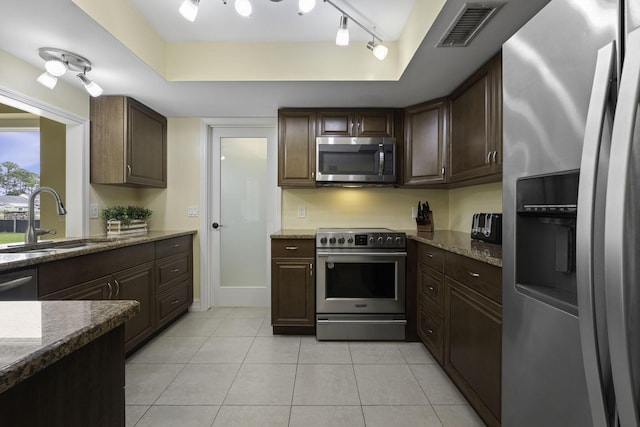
{"x": 475, "y": 149}
{"x": 371, "y": 122}
{"x": 296, "y": 148}
{"x": 128, "y": 143}
{"x": 425, "y": 147}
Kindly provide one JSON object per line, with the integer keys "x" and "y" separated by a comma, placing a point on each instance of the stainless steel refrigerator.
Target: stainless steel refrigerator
{"x": 571, "y": 224}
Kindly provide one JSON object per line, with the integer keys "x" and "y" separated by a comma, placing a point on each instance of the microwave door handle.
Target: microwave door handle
{"x": 381, "y": 163}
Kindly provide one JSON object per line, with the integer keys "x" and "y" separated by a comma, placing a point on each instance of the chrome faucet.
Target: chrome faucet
{"x": 32, "y": 233}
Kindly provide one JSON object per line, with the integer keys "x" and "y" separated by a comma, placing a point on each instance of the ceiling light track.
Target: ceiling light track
{"x": 189, "y": 10}
{"x": 59, "y": 61}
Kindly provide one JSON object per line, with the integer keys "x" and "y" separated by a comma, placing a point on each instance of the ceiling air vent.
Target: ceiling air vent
{"x": 467, "y": 23}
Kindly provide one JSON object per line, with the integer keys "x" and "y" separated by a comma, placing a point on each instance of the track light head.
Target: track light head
{"x": 55, "y": 67}
{"x": 244, "y": 8}
{"x": 90, "y": 86}
{"x": 379, "y": 51}
{"x": 189, "y": 9}
{"x": 305, "y": 6}
{"x": 342, "y": 36}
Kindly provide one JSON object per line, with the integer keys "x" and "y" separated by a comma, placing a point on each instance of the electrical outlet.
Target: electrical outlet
{"x": 302, "y": 211}
{"x": 94, "y": 211}
{"x": 414, "y": 212}
{"x": 192, "y": 211}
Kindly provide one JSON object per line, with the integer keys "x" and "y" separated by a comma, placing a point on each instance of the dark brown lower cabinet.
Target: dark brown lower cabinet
{"x": 85, "y": 388}
{"x": 293, "y": 286}
{"x": 472, "y": 347}
{"x": 137, "y": 284}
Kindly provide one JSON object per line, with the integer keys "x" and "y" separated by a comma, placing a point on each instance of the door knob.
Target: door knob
{"x": 216, "y": 225}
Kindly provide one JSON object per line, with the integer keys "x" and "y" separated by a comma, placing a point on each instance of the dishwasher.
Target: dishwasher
{"x": 19, "y": 285}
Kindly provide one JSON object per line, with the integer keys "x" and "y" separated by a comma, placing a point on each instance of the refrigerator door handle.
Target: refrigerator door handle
{"x": 621, "y": 226}
{"x": 587, "y": 237}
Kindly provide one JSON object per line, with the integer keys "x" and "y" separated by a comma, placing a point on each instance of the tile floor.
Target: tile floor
{"x": 224, "y": 367}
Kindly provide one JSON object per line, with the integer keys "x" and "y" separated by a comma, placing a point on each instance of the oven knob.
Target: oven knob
{"x": 371, "y": 240}
{"x": 323, "y": 240}
{"x": 389, "y": 240}
{"x": 332, "y": 240}
{"x": 398, "y": 241}
{"x": 380, "y": 240}
{"x": 350, "y": 240}
{"x": 341, "y": 240}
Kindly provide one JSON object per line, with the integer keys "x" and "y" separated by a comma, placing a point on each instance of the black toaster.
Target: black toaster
{"x": 487, "y": 227}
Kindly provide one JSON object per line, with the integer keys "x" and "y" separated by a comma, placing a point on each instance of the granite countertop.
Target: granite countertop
{"x": 10, "y": 259}
{"x": 291, "y": 233}
{"x": 452, "y": 241}
{"x": 36, "y": 334}
{"x": 460, "y": 243}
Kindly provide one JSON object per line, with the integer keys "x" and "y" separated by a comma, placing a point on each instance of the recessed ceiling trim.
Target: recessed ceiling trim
{"x": 468, "y": 23}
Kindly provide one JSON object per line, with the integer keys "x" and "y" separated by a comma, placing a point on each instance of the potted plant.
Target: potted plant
{"x": 126, "y": 219}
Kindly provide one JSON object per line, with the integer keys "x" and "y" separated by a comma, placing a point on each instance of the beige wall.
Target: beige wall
{"x": 464, "y": 202}
{"x": 387, "y": 207}
{"x": 53, "y": 141}
{"x": 169, "y": 205}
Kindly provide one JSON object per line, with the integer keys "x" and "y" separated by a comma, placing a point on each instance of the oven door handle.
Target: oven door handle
{"x": 372, "y": 254}
{"x": 379, "y": 322}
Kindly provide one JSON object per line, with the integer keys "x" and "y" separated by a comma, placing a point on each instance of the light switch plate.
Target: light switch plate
{"x": 302, "y": 211}
{"x": 192, "y": 211}
{"x": 414, "y": 212}
{"x": 94, "y": 212}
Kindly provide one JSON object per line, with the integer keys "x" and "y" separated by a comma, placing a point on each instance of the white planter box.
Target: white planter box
{"x": 115, "y": 228}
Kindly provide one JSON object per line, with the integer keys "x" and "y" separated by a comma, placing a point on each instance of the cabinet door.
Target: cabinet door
{"x": 137, "y": 284}
{"x": 426, "y": 143}
{"x": 336, "y": 123}
{"x": 296, "y": 148}
{"x": 146, "y": 146}
{"x": 476, "y": 125}
{"x": 473, "y": 348}
{"x": 292, "y": 292}
{"x": 374, "y": 123}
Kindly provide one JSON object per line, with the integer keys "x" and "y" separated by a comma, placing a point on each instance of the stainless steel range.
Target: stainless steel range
{"x": 360, "y": 288}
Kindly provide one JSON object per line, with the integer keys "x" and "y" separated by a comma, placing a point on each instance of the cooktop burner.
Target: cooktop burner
{"x": 359, "y": 238}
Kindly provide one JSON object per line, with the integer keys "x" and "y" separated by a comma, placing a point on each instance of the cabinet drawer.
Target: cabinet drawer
{"x": 173, "y": 246}
{"x": 293, "y": 248}
{"x": 431, "y": 256}
{"x": 172, "y": 269}
{"x": 432, "y": 286}
{"x": 479, "y": 276}
{"x": 173, "y": 303}
{"x": 431, "y": 331}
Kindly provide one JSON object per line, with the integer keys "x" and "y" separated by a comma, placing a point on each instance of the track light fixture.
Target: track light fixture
{"x": 58, "y": 61}
{"x": 189, "y": 10}
{"x": 342, "y": 36}
{"x": 305, "y": 6}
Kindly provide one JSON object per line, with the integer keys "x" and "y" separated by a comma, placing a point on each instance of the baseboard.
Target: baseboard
{"x": 195, "y": 305}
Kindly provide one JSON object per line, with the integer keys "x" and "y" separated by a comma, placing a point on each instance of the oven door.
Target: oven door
{"x": 360, "y": 282}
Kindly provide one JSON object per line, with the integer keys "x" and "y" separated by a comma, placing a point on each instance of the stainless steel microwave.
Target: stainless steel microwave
{"x": 353, "y": 160}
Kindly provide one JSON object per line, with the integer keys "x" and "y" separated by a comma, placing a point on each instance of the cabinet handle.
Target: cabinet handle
{"x": 175, "y": 270}
{"x": 291, "y": 248}
{"x": 430, "y": 255}
{"x": 177, "y": 245}
{"x": 310, "y": 269}
{"x": 430, "y": 331}
{"x": 117, "y": 287}
{"x": 175, "y": 301}
{"x": 489, "y": 157}
{"x": 431, "y": 288}
{"x": 472, "y": 274}
{"x": 129, "y": 170}
{"x": 313, "y": 174}
{"x": 442, "y": 171}
{"x": 110, "y": 290}
{"x": 495, "y": 154}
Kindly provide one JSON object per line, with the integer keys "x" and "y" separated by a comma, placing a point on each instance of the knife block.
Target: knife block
{"x": 425, "y": 224}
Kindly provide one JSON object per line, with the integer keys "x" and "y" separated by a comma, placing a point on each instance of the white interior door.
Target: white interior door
{"x": 243, "y": 214}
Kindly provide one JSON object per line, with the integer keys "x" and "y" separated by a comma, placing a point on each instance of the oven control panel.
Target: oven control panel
{"x": 364, "y": 239}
